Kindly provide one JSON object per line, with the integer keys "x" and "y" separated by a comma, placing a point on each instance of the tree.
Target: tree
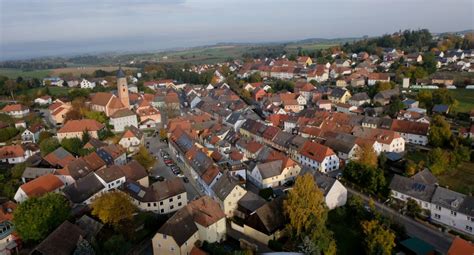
{"x": 440, "y": 131}
{"x": 381, "y": 86}
{"x": 368, "y": 178}
{"x": 35, "y": 218}
{"x": 366, "y": 155}
{"x": 395, "y": 106}
{"x": 144, "y": 158}
{"x": 113, "y": 208}
{"x": 117, "y": 245}
{"x": 378, "y": 239}
{"x": 413, "y": 208}
{"x": 307, "y": 213}
{"x": 73, "y": 145}
{"x": 8, "y": 133}
{"x": 49, "y": 145}
{"x": 410, "y": 168}
{"x": 99, "y": 116}
{"x": 163, "y": 134}
{"x": 43, "y": 136}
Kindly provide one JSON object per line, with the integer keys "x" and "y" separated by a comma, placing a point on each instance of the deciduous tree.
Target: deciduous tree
{"x": 440, "y": 131}
{"x": 144, "y": 158}
{"x": 367, "y": 155}
{"x": 113, "y": 208}
{"x": 48, "y": 145}
{"x": 378, "y": 238}
{"x": 35, "y": 218}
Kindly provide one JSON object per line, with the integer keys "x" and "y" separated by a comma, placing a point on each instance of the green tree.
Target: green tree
{"x": 413, "y": 209}
{"x": 8, "y": 133}
{"x": 395, "y": 106}
{"x": 429, "y": 62}
{"x": 99, "y": 116}
{"x": 307, "y": 213}
{"x": 43, "y": 136}
{"x": 378, "y": 238}
{"x": 440, "y": 131}
{"x": 48, "y": 145}
{"x": 117, "y": 245}
{"x": 410, "y": 168}
{"x": 73, "y": 145}
{"x": 35, "y": 218}
{"x": 368, "y": 178}
{"x": 438, "y": 160}
{"x": 113, "y": 208}
{"x": 17, "y": 170}
{"x": 144, "y": 158}
{"x": 163, "y": 134}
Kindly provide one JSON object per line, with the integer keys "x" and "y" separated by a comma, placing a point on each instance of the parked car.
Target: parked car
{"x": 185, "y": 179}
{"x": 157, "y": 178}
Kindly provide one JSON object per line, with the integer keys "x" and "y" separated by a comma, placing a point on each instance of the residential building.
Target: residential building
{"x": 132, "y": 139}
{"x": 273, "y": 173}
{"x": 38, "y": 187}
{"x": 32, "y": 133}
{"x": 16, "y": 110}
{"x": 123, "y": 118}
{"x": 76, "y": 128}
{"x": 335, "y": 194}
{"x": 318, "y": 157}
{"x": 227, "y": 193}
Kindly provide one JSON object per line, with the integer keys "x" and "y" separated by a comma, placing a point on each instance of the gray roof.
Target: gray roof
{"x": 270, "y": 215}
{"x": 233, "y": 118}
{"x": 412, "y": 188}
{"x": 35, "y": 172}
{"x": 251, "y": 201}
{"x": 387, "y": 94}
{"x": 270, "y": 169}
{"x": 338, "y": 92}
{"x": 224, "y": 186}
{"x": 425, "y": 176}
{"x": 467, "y": 206}
{"x": 90, "y": 226}
{"x": 110, "y": 174}
{"x": 63, "y": 240}
{"x": 341, "y": 142}
{"x": 120, "y": 73}
{"x": 324, "y": 182}
{"x": 83, "y": 189}
{"x": 282, "y": 138}
{"x": 180, "y": 226}
{"x": 447, "y": 198}
{"x": 360, "y": 97}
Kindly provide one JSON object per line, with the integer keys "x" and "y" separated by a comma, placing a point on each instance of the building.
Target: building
{"x": 227, "y": 193}
{"x": 317, "y": 157}
{"x": 32, "y": 133}
{"x": 38, "y": 187}
{"x": 44, "y": 100}
{"x": 123, "y": 118}
{"x": 15, "y": 154}
{"x": 16, "y": 110}
{"x": 132, "y": 139}
{"x": 122, "y": 88}
{"x": 413, "y": 132}
{"x": 161, "y": 198}
{"x": 274, "y": 173}
{"x": 335, "y": 194}
{"x": 373, "y": 78}
{"x": 404, "y": 188}
{"x": 389, "y": 140}
{"x": 57, "y": 112}
{"x": 59, "y": 157}
{"x": 85, "y": 84}
{"x": 201, "y": 219}
{"x": 76, "y": 128}
{"x": 62, "y": 241}
{"x": 359, "y": 99}
{"x": 339, "y": 95}
{"x": 267, "y": 222}
{"x": 9, "y": 241}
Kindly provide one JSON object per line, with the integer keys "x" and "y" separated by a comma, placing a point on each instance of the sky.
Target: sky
{"x": 32, "y": 28}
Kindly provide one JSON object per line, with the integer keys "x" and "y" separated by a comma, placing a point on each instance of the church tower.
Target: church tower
{"x": 122, "y": 88}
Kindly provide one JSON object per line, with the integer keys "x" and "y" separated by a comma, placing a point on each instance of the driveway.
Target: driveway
{"x": 441, "y": 241}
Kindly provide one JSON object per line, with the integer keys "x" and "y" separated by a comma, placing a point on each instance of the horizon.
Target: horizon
{"x": 54, "y": 28}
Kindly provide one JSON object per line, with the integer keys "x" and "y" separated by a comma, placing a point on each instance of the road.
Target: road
{"x": 441, "y": 241}
{"x": 154, "y": 146}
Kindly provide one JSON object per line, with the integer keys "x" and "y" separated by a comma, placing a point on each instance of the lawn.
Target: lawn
{"x": 13, "y": 73}
{"x": 460, "y": 179}
{"x": 348, "y": 240}
{"x": 465, "y": 98}
{"x": 53, "y": 91}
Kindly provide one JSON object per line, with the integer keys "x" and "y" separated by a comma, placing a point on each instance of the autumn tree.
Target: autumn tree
{"x": 440, "y": 131}
{"x": 35, "y": 218}
{"x": 438, "y": 160}
{"x": 410, "y": 168}
{"x": 366, "y": 155}
{"x": 307, "y": 213}
{"x": 144, "y": 158}
{"x": 113, "y": 208}
{"x": 163, "y": 134}
{"x": 48, "y": 145}
{"x": 378, "y": 238}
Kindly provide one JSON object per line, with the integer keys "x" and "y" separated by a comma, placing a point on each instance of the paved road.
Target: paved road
{"x": 441, "y": 241}
{"x": 154, "y": 146}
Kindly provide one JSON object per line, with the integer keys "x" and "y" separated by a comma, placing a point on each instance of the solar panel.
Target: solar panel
{"x": 133, "y": 187}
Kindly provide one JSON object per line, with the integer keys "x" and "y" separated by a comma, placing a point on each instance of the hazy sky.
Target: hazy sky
{"x": 30, "y": 28}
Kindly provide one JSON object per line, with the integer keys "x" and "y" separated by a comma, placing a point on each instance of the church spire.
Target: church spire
{"x": 120, "y": 72}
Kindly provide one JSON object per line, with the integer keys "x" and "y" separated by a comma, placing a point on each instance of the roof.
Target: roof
{"x": 410, "y": 127}
{"x": 74, "y": 126}
{"x": 206, "y": 211}
{"x": 94, "y": 143}
{"x": 448, "y": 198}
{"x": 14, "y": 107}
{"x": 168, "y": 188}
{"x": 417, "y": 246}
{"x": 270, "y": 215}
{"x": 360, "y": 97}
{"x": 59, "y": 157}
{"x": 110, "y": 174}
{"x": 251, "y": 201}
{"x": 425, "y": 176}
{"x": 120, "y": 73}
{"x": 324, "y": 182}
{"x": 441, "y": 108}
{"x": 42, "y": 185}
{"x": 460, "y": 246}
{"x": 270, "y": 169}
{"x": 412, "y": 188}
{"x": 122, "y": 113}
{"x": 91, "y": 226}
{"x": 6, "y": 211}
{"x": 338, "y": 92}
{"x": 83, "y": 189}
{"x": 11, "y": 151}
{"x": 316, "y": 151}
{"x": 224, "y": 186}
{"x": 134, "y": 171}
{"x": 62, "y": 241}
{"x": 35, "y": 172}
{"x": 101, "y": 98}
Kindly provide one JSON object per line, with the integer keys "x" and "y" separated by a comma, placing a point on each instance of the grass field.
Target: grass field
{"x": 348, "y": 240}
{"x": 465, "y": 98}
{"x": 77, "y": 71}
{"x": 54, "y": 91}
{"x": 460, "y": 179}
{"x": 13, "y": 73}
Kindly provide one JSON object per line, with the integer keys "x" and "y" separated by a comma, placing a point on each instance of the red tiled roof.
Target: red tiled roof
{"x": 81, "y": 126}
{"x": 42, "y": 185}
{"x": 316, "y": 151}
{"x": 460, "y": 246}
{"x": 11, "y": 151}
{"x": 14, "y": 107}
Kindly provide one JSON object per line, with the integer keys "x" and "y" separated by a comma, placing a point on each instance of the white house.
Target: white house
{"x": 317, "y": 157}
{"x": 123, "y": 118}
{"x": 44, "y": 100}
{"x": 228, "y": 193}
{"x": 404, "y": 188}
{"x": 16, "y": 110}
{"x": 38, "y": 187}
{"x": 111, "y": 177}
{"x": 335, "y": 194}
{"x": 85, "y": 84}
{"x": 273, "y": 173}
{"x": 132, "y": 139}
{"x": 32, "y": 133}
{"x": 15, "y": 154}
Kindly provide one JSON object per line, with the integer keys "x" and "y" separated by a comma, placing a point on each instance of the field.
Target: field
{"x": 308, "y": 46}
{"x": 348, "y": 240}
{"x": 13, "y": 73}
{"x": 77, "y": 71}
{"x": 54, "y": 91}
{"x": 465, "y": 98}
{"x": 460, "y": 179}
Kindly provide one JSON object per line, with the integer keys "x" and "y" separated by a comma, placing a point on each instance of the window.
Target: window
{"x": 171, "y": 200}
{"x": 164, "y": 236}
{"x": 179, "y": 204}
{"x": 179, "y": 196}
{"x": 468, "y": 228}
{"x": 453, "y": 213}
{"x": 162, "y": 210}
{"x": 438, "y": 208}
{"x": 171, "y": 207}
{"x": 437, "y": 216}
{"x": 161, "y": 203}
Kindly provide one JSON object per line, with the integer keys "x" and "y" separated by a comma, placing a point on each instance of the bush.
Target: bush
{"x": 275, "y": 245}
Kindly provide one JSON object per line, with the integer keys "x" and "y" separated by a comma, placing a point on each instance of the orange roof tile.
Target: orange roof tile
{"x": 81, "y": 126}
{"x": 460, "y": 246}
{"x": 42, "y": 185}
{"x": 14, "y": 107}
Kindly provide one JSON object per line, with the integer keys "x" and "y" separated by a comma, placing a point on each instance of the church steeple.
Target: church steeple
{"x": 122, "y": 87}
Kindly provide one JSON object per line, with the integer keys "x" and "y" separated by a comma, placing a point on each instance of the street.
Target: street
{"x": 154, "y": 146}
{"x": 441, "y": 241}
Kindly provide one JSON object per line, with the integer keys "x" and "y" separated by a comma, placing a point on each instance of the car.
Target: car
{"x": 168, "y": 161}
{"x": 157, "y": 178}
{"x": 185, "y": 179}
{"x": 166, "y": 157}
{"x": 181, "y": 175}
